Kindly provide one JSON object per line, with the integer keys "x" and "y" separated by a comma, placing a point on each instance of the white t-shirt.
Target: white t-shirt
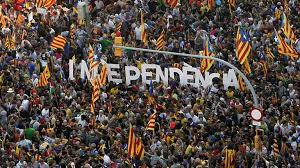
{"x": 137, "y": 32}
{"x": 45, "y": 113}
{"x": 25, "y": 105}
{"x": 106, "y": 159}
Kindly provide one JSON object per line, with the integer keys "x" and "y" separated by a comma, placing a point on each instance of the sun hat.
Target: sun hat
{"x": 10, "y": 90}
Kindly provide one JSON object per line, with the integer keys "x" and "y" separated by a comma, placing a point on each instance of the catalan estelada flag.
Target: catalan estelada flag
{"x": 20, "y": 19}
{"x": 275, "y": 148}
{"x": 160, "y": 43}
{"x": 90, "y": 55}
{"x": 151, "y": 99}
{"x": 284, "y": 48}
{"x": 139, "y": 151}
{"x": 229, "y": 158}
{"x": 93, "y": 63}
{"x": 243, "y": 47}
{"x": 40, "y": 3}
{"x": 13, "y": 41}
{"x": 131, "y": 142}
{"x": 172, "y": 3}
{"x": 247, "y": 67}
{"x": 287, "y": 29}
{"x": 241, "y": 84}
{"x": 58, "y": 42}
{"x": 7, "y": 42}
{"x": 151, "y": 123}
{"x": 143, "y": 31}
{"x": 95, "y": 94}
{"x": 103, "y": 76}
{"x": 3, "y": 20}
{"x": 49, "y": 3}
{"x": 208, "y": 51}
{"x": 45, "y": 75}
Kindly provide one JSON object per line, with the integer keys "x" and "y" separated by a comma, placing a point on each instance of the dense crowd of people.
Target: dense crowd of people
{"x": 53, "y": 127}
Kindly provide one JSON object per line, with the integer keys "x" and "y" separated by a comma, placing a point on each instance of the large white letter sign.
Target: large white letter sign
{"x": 230, "y": 79}
{"x": 209, "y": 79}
{"x": 178, "y": 71}
{"x": 146, "y": 74}
{"x": 130, "y": 77}
{"x": 71, "y": 69}
{"x": 84, "y": 71}
{"x": 111, "y": 74}
{"x": 188, "y": 78}
{"x": 161, "y": 75}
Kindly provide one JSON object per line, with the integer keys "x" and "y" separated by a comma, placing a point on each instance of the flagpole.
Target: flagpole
{"x": 249, "y": 85}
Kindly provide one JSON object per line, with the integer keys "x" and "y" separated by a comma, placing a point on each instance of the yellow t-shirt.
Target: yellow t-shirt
{"x": 229, "y": 93}
{"x": 277, "y": 14}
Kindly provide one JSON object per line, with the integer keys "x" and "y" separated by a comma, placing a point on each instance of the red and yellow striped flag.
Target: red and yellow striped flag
{"x": 151, "y": 123}
{"x": 247, "y": 67}
{"x": 7, "y": 42}
{"x": 131, "y": 142}
{"x": 58, "y": 42}
{"x": 241, "y": 84}
{"x": 91, "y": 55}
{"x": 243, "y": 47}
{"x": 207, "y": 63}
{"x": 275, "y": 149}
{"x": 4, "y": 20}
{"x": 94, "y": 65}
{"x": 264, "y": 67}
{"x": 20, "y": 19}
{"x": 140, "y": 151}
{"x": 269, "y": 54}
{"x": 287, "y": 29}
{"x": 229, "y": 158}
{"x": 45, "y": 75}
{"x": 95, "y": 94}
{"x": 172, "y": 3}
{"x": 103, "y": 75}
{"x": 143, "y": 31}
{"x": 49, "y": 3}
{"x": 119, "y": 26}
{"x": 284, "y": 48}
{"x": 40, "y": 3}
{"x": 160, "y": 44}
{"x": 13, "y": 41}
